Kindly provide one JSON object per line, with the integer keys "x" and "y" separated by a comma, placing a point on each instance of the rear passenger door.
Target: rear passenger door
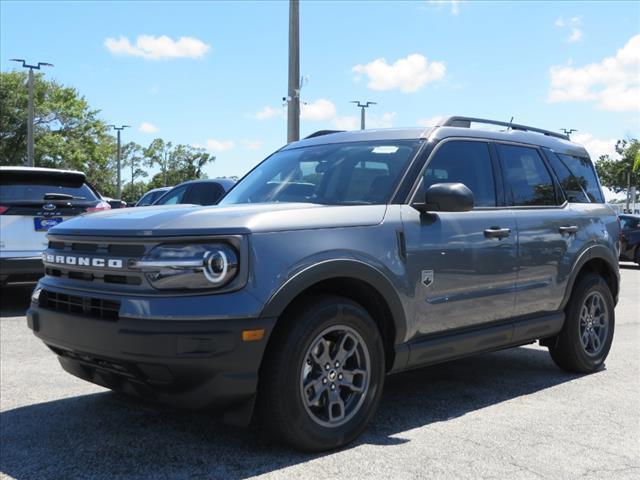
{"x": 462, "y": 270}
{"x": 546, "y": 228}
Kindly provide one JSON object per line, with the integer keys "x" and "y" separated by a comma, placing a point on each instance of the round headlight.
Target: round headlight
{"x": 216, "y": 265}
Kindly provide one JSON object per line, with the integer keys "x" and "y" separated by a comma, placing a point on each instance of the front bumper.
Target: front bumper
{"x": 187, "y": 363}
{"x": 21, "y": 269}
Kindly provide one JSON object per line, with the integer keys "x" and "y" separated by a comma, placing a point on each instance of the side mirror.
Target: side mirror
{"x": 446, "y": 197}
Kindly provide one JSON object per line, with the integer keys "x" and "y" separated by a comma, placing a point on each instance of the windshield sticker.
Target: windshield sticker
{"x": 385, "y": 149}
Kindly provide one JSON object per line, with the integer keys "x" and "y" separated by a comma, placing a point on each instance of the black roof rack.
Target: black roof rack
{"x": 319, "y": 133}
{"x": 465, "y": 122}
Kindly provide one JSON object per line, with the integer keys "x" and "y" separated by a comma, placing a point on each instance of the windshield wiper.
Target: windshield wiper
{"x": 61, "y": 196}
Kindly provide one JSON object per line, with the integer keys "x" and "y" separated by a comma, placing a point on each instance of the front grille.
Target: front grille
{"x": 79, "y": 305}
{"x": 124, "y": 277}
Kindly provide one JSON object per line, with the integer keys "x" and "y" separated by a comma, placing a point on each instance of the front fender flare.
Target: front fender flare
{"x": 340, "y": 268}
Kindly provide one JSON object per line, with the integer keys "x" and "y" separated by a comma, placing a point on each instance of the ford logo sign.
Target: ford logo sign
{"x": 49, "y": 206}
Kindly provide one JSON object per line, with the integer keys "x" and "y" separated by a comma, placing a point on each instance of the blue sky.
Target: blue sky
{"x": 550, "y": 64}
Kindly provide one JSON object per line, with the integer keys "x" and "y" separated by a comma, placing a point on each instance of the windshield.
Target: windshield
{"x": 359, "y": 173}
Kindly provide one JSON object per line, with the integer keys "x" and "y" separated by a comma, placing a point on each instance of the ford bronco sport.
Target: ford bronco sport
{"x": 337, "y": 260}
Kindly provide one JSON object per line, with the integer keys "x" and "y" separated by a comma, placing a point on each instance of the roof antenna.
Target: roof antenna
{"x": 510, "y": 122}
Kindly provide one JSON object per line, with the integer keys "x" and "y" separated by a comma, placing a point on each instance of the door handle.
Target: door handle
{"x": 497, "y": 232}
{"x": 569, "y": 230}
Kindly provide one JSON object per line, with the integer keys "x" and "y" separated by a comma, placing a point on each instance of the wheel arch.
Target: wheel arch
{"x": 596, "y": 259}
{"x": 357, "y": 281}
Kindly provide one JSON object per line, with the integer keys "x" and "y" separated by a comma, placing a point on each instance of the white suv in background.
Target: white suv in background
{"x": 32, "y": 200}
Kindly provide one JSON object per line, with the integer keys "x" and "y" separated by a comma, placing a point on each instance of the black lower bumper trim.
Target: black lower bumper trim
{"x": 189, "y": 364}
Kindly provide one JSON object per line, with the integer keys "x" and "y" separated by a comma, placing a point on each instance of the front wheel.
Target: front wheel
{"x": 323, "y": 374}
{"x": 585, "y": 339}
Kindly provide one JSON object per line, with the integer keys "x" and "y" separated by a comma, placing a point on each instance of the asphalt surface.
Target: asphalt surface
{"x": 510, "y": 414}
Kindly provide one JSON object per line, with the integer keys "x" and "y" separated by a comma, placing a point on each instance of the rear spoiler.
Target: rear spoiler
{"x": 42, "y": 176}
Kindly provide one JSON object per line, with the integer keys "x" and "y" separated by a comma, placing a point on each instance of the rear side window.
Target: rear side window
{"x": 16, "y": 190}
{"x": 577, "y": 177}
{"x": 207, "y": 193}
{"x": 629, "y": 223}
{"x": 465, "y": 162}
{"x": 527, "y": 179}
{"x": 173, "y": 197}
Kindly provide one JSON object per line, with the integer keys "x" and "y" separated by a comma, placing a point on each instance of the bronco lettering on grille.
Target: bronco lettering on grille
{"x": 98, "y": 262}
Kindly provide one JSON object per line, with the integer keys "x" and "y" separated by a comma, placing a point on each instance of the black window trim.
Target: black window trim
{"x": 497, "y": 177}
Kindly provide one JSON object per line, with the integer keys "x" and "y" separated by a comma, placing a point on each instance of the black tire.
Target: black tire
{"x": 568, "y": 350}
{"x": 636, "y": 257}
{"x": 281, "y": 393}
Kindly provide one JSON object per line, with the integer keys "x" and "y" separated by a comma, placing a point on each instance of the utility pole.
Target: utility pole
{"x": 568, "y": 131}
{"x": 118, "y": 163}
{"x": 30, "y": 162}
{"x": 293, "y": 99}
{"x": 362, "y": 107}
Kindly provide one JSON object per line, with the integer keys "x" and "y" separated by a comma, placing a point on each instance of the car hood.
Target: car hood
{"x": 175, "y": 220}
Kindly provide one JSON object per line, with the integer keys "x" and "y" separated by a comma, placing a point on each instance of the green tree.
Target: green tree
{"x": 620, "y": 174}
{"x": 67, "y": 132}
{"x": 158, "y": 153}
{"x": 134, "y": 160}
{"x": 177, "y": 164}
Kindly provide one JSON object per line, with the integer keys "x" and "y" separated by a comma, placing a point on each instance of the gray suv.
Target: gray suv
{"x": 339, "y": 259}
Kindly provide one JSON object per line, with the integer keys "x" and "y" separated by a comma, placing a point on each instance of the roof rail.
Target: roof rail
{"x": 319, "y": 133}
{"x": 465, "y": 122}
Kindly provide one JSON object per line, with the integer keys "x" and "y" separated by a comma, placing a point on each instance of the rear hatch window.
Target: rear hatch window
{"x": 25, "y": 193}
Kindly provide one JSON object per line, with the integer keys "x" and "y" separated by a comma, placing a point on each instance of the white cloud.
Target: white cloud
{"x": 346, "y": 123}
{"x": 613, "y": 83}
{"x": 318, "y": 110}
{"x": 268, "y": 112}
{"x": 455, "y": 5}
{"x": 220, "y": 145}
{"x": 157, "y": 48}
{"x": 383, "y": 121}
{"x": 573, "y": 24}
{"x": 596, "y": 146}
{"x": 154, "y": 90}
{"x": 146, "y": 127}
{"x": 430, "y": 122}
{"x": 408, "y": 74}
{"x": 252, "y": 144}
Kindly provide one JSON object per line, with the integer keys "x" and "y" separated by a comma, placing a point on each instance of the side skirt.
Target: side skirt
{"x": 444, "y": 347}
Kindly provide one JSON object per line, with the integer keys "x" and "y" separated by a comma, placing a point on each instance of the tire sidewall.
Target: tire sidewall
{"x": 586, "y": 287}
{"x": 313, "y": 321}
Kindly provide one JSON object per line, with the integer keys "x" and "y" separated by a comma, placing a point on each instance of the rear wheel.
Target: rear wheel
{"x": 323, "y": 375}
{"x": 585, "y": 340}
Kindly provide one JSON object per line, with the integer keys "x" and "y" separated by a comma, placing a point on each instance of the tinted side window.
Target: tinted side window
{"x": 173, "y": 197}
{"x": 583, "y": 171}
{"x": 573, "y": 188}
{"x": 205, "y": 194}
{"x": 527, "y": 179}
{"x": 465, "y": 162}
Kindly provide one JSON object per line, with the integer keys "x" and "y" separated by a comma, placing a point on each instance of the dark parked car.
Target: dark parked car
{"x": 32, "y": 200}
{"x": 336, "y": 261}
{"x": 197, "y": 192}
{"x": 115, "y": 203}
{"x": 151, "y": 196}
{"x": 630, "y": 238}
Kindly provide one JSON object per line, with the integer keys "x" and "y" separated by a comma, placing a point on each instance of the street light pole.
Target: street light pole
{"x": 30, "y": 109}
{"x": 362, "y": 106}
{"x": 118, "y": 163}
{"x": 293, "y": 104}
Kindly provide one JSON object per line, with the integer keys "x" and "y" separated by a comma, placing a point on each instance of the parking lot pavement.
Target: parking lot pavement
{"x": 509, "y": 414}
